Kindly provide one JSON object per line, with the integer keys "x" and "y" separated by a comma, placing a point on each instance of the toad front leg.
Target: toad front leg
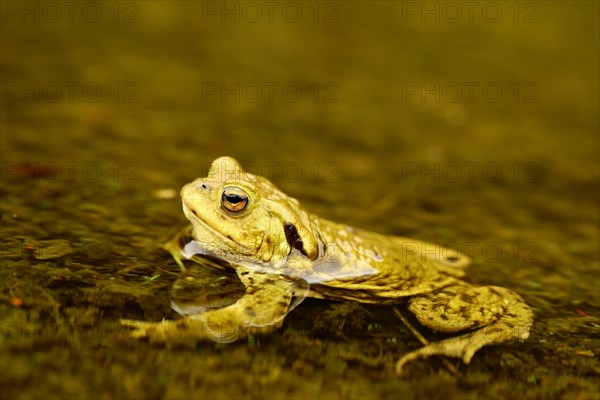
{"x": 261, "y": 310}
{"x": 497, "y": 313}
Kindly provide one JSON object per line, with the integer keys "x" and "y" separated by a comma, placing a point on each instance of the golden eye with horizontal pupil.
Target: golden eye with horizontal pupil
{"x": 234, "y": 200}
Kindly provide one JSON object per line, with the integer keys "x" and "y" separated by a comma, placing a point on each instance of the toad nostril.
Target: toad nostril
{"x": 203, "y": 186}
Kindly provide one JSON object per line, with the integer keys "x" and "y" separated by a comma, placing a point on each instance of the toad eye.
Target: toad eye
{"x": 234, "y": 200}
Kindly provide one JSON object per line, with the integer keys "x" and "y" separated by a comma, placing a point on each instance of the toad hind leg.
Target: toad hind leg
{"x": 496, "y": 313}
{"x": 261, "y": 310}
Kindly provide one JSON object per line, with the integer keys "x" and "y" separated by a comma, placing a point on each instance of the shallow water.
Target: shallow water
{"x": 479, "y": 131}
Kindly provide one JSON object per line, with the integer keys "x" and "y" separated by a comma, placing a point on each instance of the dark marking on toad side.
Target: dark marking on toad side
{"x": 283, "y": 304}
{"x": 269, "y": 281}
{"x": 467, "y": 298}
{"x": 293, "y": 239}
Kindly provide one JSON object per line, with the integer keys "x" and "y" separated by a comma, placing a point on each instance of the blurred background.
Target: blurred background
{"x": 451, "y": 122}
